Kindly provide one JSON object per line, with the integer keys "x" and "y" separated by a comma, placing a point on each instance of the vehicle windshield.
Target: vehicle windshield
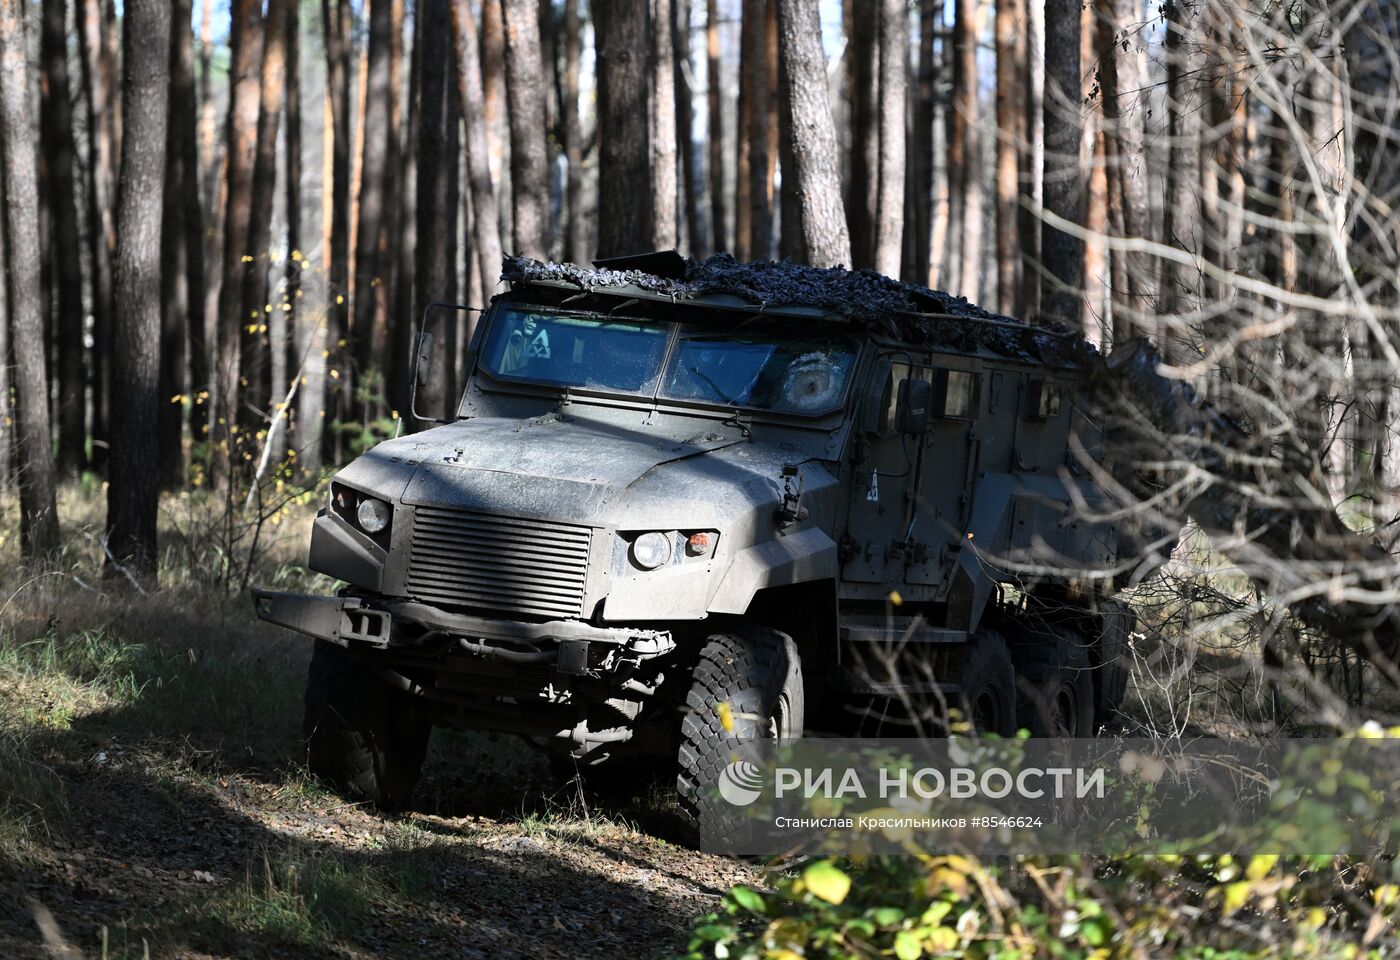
{"x": 756, "y": 369}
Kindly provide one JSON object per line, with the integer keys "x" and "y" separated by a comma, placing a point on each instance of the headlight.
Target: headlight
{"x": 373, "y": 515}
{"x": 651, "y": 550}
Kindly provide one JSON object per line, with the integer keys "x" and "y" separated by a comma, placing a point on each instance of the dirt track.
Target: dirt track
{"x": 191, "y": 827}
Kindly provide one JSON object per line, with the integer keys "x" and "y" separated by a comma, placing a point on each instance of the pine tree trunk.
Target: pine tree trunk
{"x": 406, "y": 324}
{"x": 576, "y": 247}
{"x": 1181, "y": 213}
{"x": 525, "y": 95}
{"x": 286, "y": 357}
{"x": 492, "y": 55}
{"x": 894, "y": 84}
{"x": 664, "y": 234}
{"x": 864, "y": 187}
{"x": 756, "y": 96}
{"x": 56, "y": 130}
{"x": 965, "y": 116}
{"x": 743, "y": 138}
{"x": 256, "y": 349}
{"x": 38, "y": 512}
{"x": 1011, "y": 135}
{"x": 436, "y": 267}
{"x": 921, "y": 146}
{"x": 370, "y": 261}
{"x": 685, "y": 124}
{"x": 182, "y": 248}
{"x": 101, "y": 202}
{"x": 486, "y": 229}
{"x": 8, "y": 427}
{"x": 336, "y": 26}
{"x": 1062, "y": 254}
{"x": 622, "y": 31}
{"x": 719, "y": 223}
{"x": 816, "y": 162}
{"x": 133, "y": 492}
{"x": 241, "y": 139}
{"x": 1032, "y": 161}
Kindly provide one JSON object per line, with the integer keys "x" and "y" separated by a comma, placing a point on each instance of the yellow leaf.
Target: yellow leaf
{"x": 1259, "y": 866}
{"x": 826, "y": 881}
{"x": 1236, "y": 895}
{"x": 247, "y": 259}
{"x": 726, "y": 716}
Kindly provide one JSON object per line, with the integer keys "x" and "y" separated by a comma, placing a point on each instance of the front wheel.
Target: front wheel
{"x": 364, "y": 738}
{"x": 753, "y": 676}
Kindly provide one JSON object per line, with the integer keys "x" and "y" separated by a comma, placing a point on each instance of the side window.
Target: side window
{"x": 1042, "y": 400}
{"x": 899, "y": 372}
{"x": 956, "y": 394}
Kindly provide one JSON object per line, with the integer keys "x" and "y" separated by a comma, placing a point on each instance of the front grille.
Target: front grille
{"x": 534, "y": 567}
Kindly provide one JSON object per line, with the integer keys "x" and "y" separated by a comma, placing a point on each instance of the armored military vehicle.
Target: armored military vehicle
{"x": 685, "y": 500}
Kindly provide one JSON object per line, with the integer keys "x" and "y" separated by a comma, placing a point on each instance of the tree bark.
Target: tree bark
{"x": 622, "y": 31}
{"x": 719, "y": 223}
{"x": 685, "y": 124}
{"x": 576, "y": 246}
{"x": 1032, "y": 160}
{"x": 864, "y": 188}
{"x": 1181, "y": 213}
{"x": 1062, "y": 279}
{"x": 921, "y": 146}
{"x": 492, "y": 55}
{"x": 56, "y": 129}
{"x": 894, "y": 84}
{"x": 286, "y": 356}
{"x": 965, "y": 149}
{"x": 256, "y": 350}
{"x": 182, "y": 249}
{"x": 436, "y": 269}
{"x": 132, "y": 494}
{"x": 101, "y": 190}
{"x": 1011, "y": 138}
{"x": 8, "y": 466}
{"x": 336, "y": 24}
{"x": 816, "y": 166}
{"x": 485, "y": 224}
{"x": 241, "y": 139}
{"x": 525, "y": 96}
{"x": 664, "y": 188}
{"x": 756, "y": 95}
{"x": 38, "y": 511}
{"x": 370, "y": 259}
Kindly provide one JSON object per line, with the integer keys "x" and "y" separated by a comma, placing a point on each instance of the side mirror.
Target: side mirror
{"x": 915, "y": 396}
{"x": 423, "y": 359}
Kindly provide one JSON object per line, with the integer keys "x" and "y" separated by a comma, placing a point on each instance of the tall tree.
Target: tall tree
{"x": 101, "y": 191}
{"x": 182, "y": 247}
{"x": 525, "y": 97}
{"x": 56, "y": 129}
{"x": 1062, "y": 253}
{"x": 894, "y": 84}
{"x": 719, "y": 225}
{"x": 259, "y": 319}
{"x": 621, "y": 36}
{"x": 241, "y": 142}
{"x": 921, "y": 146}
{"x": 336, "y": 24}
{"x": 436, "y": 269}
{"x": 863, "y": 190}
{"x": 965, "y": 149}
{"x": 286, "y": 355}
{"x": 133, "y": 492}
{"x": 816, "y": 167}
{"x": 664, "y": 234}
{"x": 685, "y": 124}
{"x": 1179, "y": 207}
{"x": 756, "y": 95}
{"x": 486, "y": 231}
{"x": 1032, "y": 160}
{"x": 38, "y": 510}
{"x": 371, "y": 260}
{"x": 7, "y": 406}
{"x": 1011, "y": 141}
{"x": 576, "y": 246}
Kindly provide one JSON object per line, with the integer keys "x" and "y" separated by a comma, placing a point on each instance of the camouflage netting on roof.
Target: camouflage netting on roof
{"x": 905, "y": 310}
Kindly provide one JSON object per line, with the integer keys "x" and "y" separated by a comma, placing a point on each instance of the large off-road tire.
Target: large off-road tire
{"x": 1112, "y": 662}
{"x": 1054, "y": 681}
{"x": 988, "y": 685}
{"x": 364, "y": 738}
{"x": 757, "y": 672}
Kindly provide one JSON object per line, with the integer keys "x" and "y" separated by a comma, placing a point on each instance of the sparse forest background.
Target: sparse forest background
{"x": 224, "y": 219}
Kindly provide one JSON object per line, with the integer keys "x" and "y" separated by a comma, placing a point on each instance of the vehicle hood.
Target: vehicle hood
{"x": 575, "y": 469}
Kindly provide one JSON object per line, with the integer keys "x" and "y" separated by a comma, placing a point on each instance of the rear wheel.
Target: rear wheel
{"x": 1055, "y": 683}
{"x": 757, "y": 674}
{"x": 988, "y": 685}
{"x": 364, "y": 738}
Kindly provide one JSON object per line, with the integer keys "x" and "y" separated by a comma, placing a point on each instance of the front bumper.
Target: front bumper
{"x": 387, "y": 624}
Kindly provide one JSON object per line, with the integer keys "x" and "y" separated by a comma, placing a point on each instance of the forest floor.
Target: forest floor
{"x": 153, "y": 800}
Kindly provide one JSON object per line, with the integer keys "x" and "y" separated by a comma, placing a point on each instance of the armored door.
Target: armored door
{"x": 884, "y": 463}
{"x": 946, "y": 475}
